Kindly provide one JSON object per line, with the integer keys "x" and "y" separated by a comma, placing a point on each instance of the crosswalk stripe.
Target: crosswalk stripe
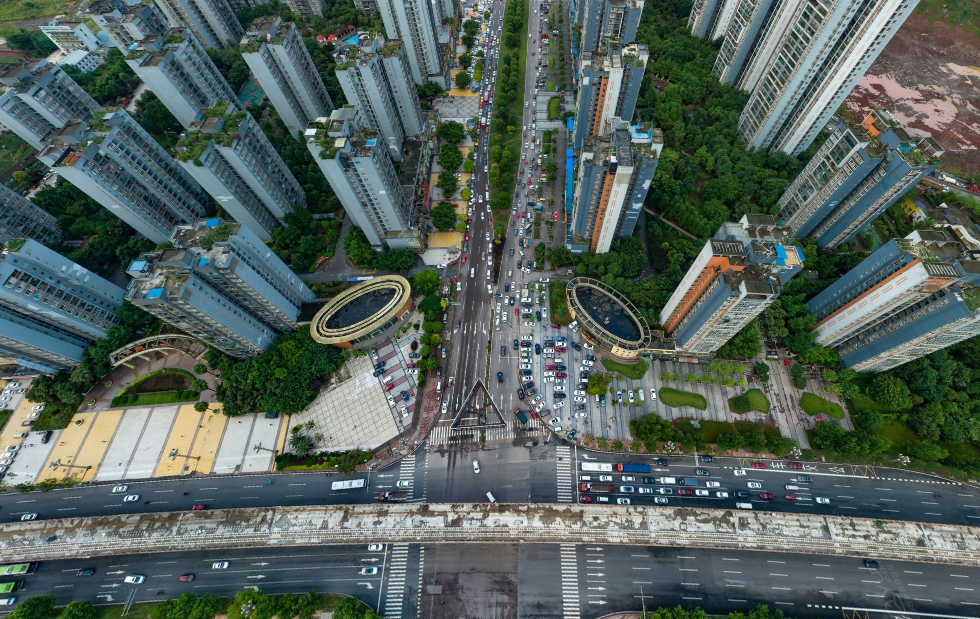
{"x": 397, "y": 569}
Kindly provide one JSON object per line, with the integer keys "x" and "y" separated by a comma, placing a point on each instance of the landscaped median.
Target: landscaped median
{"x": 751, "y": 400}
{"x": 633, "y": 371}
{"x": 678, "y": 399}
{"x": 813, "y": 404}
{"x": 329, "y": 525}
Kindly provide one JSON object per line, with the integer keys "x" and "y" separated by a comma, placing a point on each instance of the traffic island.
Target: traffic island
{"x": 482, "y": 523}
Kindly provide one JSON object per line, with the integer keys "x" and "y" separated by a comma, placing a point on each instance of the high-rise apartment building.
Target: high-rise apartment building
{"x": 367, "y": 7}
{"x": 909, "y": 298}
{"x": 609, "y": 87}
{"x": 740, "y": 22}
{"x": 221, "y": 284}
{"x": 281, "y": 63}
{"x": 179, "y": 71}
{"x": 306, "y": 9}
{"x": 413, "y": 23}
{"x": 377, "y": 79}
{"x": 22, "y": 219}
{"x": 855, "y": 176}
{"x": 230, "y": 156}
{"x": 362, "y": 175}
{"x": 128, "y": 26}
{"x": 125, "y": 170}
{"x": 804, "y": 60}
{"x": 69, "y": 36}
{"x": 614, "y": 174}
{"x": 41, "y": 101}
{"x": 605, "y": 20}
{"x": 51, "y": 309}
{"x": 736, "y": 276}
{"x": 213, "y": 22}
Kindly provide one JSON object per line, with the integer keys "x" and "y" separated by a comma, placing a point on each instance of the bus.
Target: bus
{"x": 10, "y": 587}
{"x": 16, "y": 569}
{"x": 603, "y": 467}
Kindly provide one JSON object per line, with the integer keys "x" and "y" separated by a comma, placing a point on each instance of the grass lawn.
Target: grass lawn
{"x": 551, "y": 44}
{"x": 5, "y": 416}
{"x": 559, "y": 308}
{"x": 635, "y": 372}
{"x": 19, "y": 11}
{"x": 815, "y": 405}
{"x": 677, "y": 399}
{"x": 751, "y": 400}
{"x": 861, "y": 402}
{"x": 145, "y": 399}
{"x": 550, "y": 85}
{"x": 710, "y": 429}
{"x": 13, "y": 150}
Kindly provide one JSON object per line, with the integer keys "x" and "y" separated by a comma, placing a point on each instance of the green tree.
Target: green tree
{"x": 730, "y": 441}
{"x": 201, "y": 407}
{"x": 869, "y": 420}
{"x": 358, "y": 247}
{"x": 745, "y": 344}
{"x": 37, "y": 607}
{"x": 79, "y": 610}
{"x": 447, "y": 184}
{"x": 429, "y": 90}
{"x": 443, "y": 216}
{"x": 154, "y": 116}
{"x": 598, "y": 383}
{"x": 762, "y": 369}
{"x": 926, "y": 451}
{"x": 395, "y": 260}
{"x": 450, "y": 157}
{"x": 426, "y": 282}
{"x": 463, "y": 79}
{"x": 465, "y": 61}
{"x": 452, "y": 132}
{"x": 798, "y": 380}
{"x": 468, "y": 166}
{"x": 890, "y": 392}
{"x": 200, "y": 368}
{"x": 199, "y": 385}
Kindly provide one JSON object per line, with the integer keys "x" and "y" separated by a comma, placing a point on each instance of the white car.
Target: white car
{"x": 579, "y": 392}
{"x": 555, "y": 421}
{"x": 739, "y": 472}
{"x": 404, "y": 483}
{"x": 587, "y": 363}
{"x": 219, "y": 565}
{"x": 549, "y": 373}
{"x": 524, "y": 366}
{"x": 368, "y": 571}
{"x": 39, "y": 407}
{"x": 622, "y": 501}
{"x": 581, "y": 415}
{"x": 660, "y": 500}
{"x": 701, "y": 492}
{"x": 526, "y": 338}
{"x": 391, "y": 401}
{"x": 754, "y": 485}
{"x": 626, "y": 478}
{"x": 580, "y": 399}
{"x": 587, "y": 346}
{"x": 375, "y": 547}
{"x": 488, "y": 236}
{"x": 539, "y": 407}
{"x": 476, "y": 466}
{"x": 721, "y": 495}
{"x": 445, "y": 406}
{"x": 528, "y": 323}
{"x": 549, "y": 379}
{"x": 559, "y": 404}
{"x": 823, "y": 500}
{"x": 119, "y": 489}
{"x": 712, "y": 484}
{"x": 29, "y": 517}
{"x": 134, "y": 579}
{"x": 131, "y": 498}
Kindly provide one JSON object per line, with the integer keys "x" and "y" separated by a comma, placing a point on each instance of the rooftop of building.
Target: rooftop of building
{"x": 269, "y": 29}
{"x": 219, "y": 124}
{"x": 158, "y": 280}
{"x": 360, "y": 143}
{"x": 882, "y": 131}
{"x": 204, "y": 233}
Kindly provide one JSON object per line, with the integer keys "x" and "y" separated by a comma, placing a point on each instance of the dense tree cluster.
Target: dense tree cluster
{"x": 283, "y": 379}
{"x": 303, "y": 240}
{"x": 452, "y": 132}
{"x": 395, "y": 259}
{"x": 443, "y": 216}
{"x": 108, "y": 83}
{"x": 320, "y": 197}
{"x": 154, "y": 116}
{"x": 34, "y": 42}
{"x": 358, "y": 247}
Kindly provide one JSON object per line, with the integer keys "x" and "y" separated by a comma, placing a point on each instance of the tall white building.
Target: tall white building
{"x": 129, "y": 26}
{"x": 363, "y": 177}
{"x": 413, "y": 22}
{"x": 281, "y": 63}
{"x": 71, "y": 36}
{"x": 212, "y": 21}
{"x": 125, "y": 170}
{"x": 230, "y": 156}
{"x": 179, "y": 71}
{"x": 377, "y": 79}
{"x": 799, "y": 59}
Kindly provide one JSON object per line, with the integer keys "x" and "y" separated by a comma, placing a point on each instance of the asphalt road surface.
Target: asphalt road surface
{"x": 533, "y": 580}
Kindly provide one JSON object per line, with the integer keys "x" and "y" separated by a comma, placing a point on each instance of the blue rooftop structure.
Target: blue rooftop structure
{"x": 156, "y": 293}
{"x": 212, "y": 223}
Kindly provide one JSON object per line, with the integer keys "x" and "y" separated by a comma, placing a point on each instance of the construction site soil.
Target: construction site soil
{"x": 928, "y": 77}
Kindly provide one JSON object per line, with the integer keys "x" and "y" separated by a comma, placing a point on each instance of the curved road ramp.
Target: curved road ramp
{"x": 482, "y": 523}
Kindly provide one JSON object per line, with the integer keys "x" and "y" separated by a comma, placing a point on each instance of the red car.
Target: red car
{"x": 464, "y": 259}
{"x": 584, "y": 498}
{"x": 549, "y": 367}
{"x": 517, "y": 312}
{"x": 796, "y": 465}
{"x": 555, "y": 325}
{"x": 561, "y": 349}
{"x": 765, "y": 496}
{"x": 466, "y": 237}
{"x": 786, "y": 362}
{"x": 790, "y": 497}
{"x": 389, "y": 387}
{"x": 685, "y": 492}
{"x": 199, "y": 507}
{"x": 186, "y": 577}
{"x": 758, "y": 465}
{"x": 561, "y": 375}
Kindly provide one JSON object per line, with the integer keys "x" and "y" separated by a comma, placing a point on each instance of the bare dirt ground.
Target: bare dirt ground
{"x": 928, "y": 77}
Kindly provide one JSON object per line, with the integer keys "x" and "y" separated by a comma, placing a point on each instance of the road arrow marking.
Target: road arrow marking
{"x": 112, "y": 586}
{"x": 595, "y": 548}
{"x": 600, "y": 574}
{"x": 597, "y": 588}
{"x": 119, "y": 572}
{"x": 594, "y": 561}
{"x": 366, "y": 584}
{"x": 597, "y": 602}
{"x": 262, "y": 564}
{"x": 260, "y": 577}
{"x": 369, "y": 560}
{"x": 108, "y": 598}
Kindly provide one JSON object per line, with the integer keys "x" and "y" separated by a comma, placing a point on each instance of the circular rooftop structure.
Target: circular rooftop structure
{"x": 362, "y": 313}
{"x": 608, "y": 319}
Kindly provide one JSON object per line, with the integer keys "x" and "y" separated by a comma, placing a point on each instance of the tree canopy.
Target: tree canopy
{"x": 452, "y": 132}
{"x": 395, "y": 260}
{"x": 443, "y": 216}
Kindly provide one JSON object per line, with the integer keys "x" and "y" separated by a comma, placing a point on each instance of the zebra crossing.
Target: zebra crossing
{"x": 569, "y": 582}
{"x": 406, "y": 472}
{"x": 565, "y": 487}
{"x": 397, "y": 572}
{"x": 441, "y": 435}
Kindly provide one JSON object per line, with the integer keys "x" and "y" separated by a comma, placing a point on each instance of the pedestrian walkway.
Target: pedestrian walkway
{"x": 444, "y": 435}
{"x": 397, "y": 572}
{"x": 406, "y": 473}
{"x": 569, "y": 582}
{"x": 565, "y": 492}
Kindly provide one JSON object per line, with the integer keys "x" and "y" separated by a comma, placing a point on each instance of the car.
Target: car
{"x": 663, "y": 490}
{"x": 220, "y": 565}
{"x": 622, "y": 501}
{"x": 6, "y": 462}
{"x": 88, "y": 571}
{"x": 131, "y": 498}
{"x": 119, "y": 489}
{"x": 555, "y": 421}
{"x": 33, "y": 415}
{"x": 605, "y": 478}
{"x": 476, "y": 466}
{"x": 707, "y": 459}
{"x": 739, "y": 472}
{"x": 580, "y": 399}
{"x": 520, "y": 394}
{"x": 526, "y": 338}
{"x": 414, "y": 355}
{"x": 758, "y": 465}
{"x": 823, "y": 500}
{"x": 662, "y": 462}
{"x": 134, "y": 579}
{"x": 648, "y": 480}
{"x": 765, "y": 496}
{"x": 721, "y": 495}
{"x": 528, "y": 323}
{"x": 581, "y": 415}
{"x": 39, "y": 407}
{"x": 445, "y": 406}
{"x": 712, "y": 484}
{"x": 660, "y": 500}
{"x": 531, "y": 392}
{"x": 796, "y": 465}
{"x": 488, "y": 236}
{"x": 789, "y": 497}
{"x": 627, "y": 478}
{"x": 685, "y": 492}
{"x": 186, "y": 577}
{"x": 701, "y": 472}
{"x": 500, "y": 377}
{"x": 404, "y": 483}
{"x": 645, "y": 490}
{"x": 375, "y": 547}
{"x": 368, "y": 571}
{"x": 702, "y": 492}
{"x": 5, "y": 398}
{"x": 754, "y": 485}
{"x": 742, "y": 494}
{"x": 199, "y": 507}
{"x": 871, "y": 564}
